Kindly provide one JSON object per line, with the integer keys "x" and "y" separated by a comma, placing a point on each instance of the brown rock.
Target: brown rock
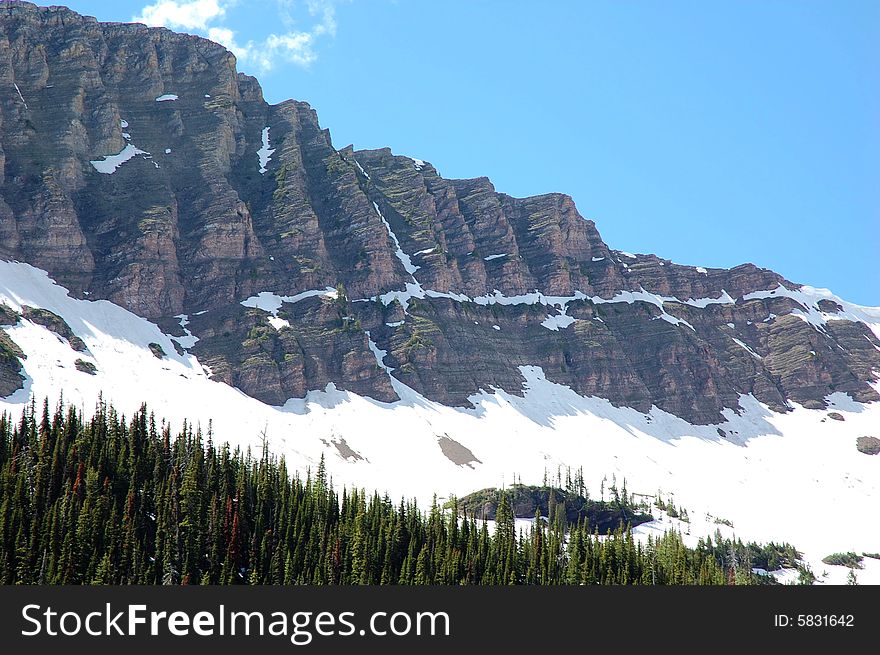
{"x": 868, "y": 445}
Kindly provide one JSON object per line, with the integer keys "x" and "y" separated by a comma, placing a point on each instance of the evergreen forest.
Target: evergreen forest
{"x": 107, "y": 499}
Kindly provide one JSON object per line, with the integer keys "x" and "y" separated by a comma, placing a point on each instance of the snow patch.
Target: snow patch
{"x": 265, "y": 152}
{"x": 271, "y": 302}
{"x": 560, "y": 321}
{"x": 21, "y": 97}
{"x": 189, "y": 340}
{"x": 723, "y": 299}
{"x": 746, "y": 347}
{"x": 109, "y": 163}
{"x": 402, "y": 256}
{"x": 669, "y": 318}
{"x": 361, "y": 169}
{"x": 379, "y": 354}
{"x": 278, "y": 323}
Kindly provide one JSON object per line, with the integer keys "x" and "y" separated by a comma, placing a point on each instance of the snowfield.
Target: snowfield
{"x": 776, "y": 477}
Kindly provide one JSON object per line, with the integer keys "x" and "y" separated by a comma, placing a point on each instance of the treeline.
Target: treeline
{"x": 107, "y": 500}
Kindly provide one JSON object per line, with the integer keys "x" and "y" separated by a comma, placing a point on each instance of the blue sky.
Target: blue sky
{"x": 712, "y": 133}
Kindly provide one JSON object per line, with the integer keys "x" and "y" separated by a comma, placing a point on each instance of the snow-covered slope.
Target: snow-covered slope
{"x": 793, "y": 477}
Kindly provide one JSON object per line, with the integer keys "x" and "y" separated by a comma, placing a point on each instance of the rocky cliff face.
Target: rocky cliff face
{"x": 137, "y": 165}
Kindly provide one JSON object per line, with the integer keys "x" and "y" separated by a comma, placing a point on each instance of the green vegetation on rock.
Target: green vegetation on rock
{"x": 554, "y": 504}
{"x": 85, "y": 367}
{"x": 8, "y": 316}
{"x": 51, "y": 321}
{"x": 850, "y": 559}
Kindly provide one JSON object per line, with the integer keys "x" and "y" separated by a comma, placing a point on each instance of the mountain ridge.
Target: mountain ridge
{"x": 140, "y": 167}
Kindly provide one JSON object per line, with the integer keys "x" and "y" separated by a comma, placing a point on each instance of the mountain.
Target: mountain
{"x": 170, "y": 237}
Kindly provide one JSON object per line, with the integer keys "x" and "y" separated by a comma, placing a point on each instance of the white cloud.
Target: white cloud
{"x": 192, "y": 15}
{"x": 328, "y": 10}
{"x": 292, "y": 47}
{"x": 295, "y": 46}
{"x": 226, "y": 37}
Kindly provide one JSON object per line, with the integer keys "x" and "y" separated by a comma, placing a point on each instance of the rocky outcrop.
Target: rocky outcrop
{"x": 138, "y": 166}
{"x": 54, "y": 323}
{"x": 320, "y": 341}
{"x": 528, "y": 501}
{"x": 868, "y": 445}
{"x": 11, "y": 355}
